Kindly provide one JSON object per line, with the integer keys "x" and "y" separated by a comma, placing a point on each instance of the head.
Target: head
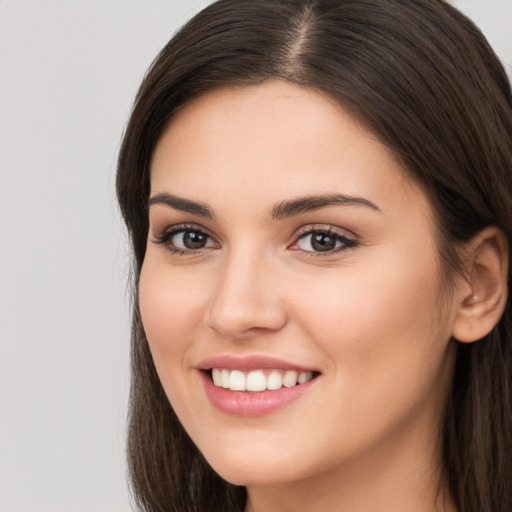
{"x": 419, "y": 80}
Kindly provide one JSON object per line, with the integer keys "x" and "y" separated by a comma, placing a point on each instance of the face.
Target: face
{"x": 290, "y": 290}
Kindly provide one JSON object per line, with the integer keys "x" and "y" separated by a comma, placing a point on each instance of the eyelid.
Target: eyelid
{"x": 328, "y": 228}
{"x": 165, "y": 235}
{"x": 349, "y": 239}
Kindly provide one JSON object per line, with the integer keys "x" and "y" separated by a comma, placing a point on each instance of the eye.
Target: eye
{"x": 191, "y": 240}
{"x": 185, "y": 239}
{"x": 322, "y": 241}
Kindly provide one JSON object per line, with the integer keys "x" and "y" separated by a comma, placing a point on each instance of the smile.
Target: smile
{"x": 256, "y": 385}
{"x": 259, "y": 380}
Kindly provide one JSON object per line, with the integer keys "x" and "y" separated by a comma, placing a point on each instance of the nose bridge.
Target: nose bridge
{"x": 245, "y": 299}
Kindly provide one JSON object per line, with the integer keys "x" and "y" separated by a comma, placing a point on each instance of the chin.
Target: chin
{"x": 242, "y": 469}
{"x": 249, "y": 475}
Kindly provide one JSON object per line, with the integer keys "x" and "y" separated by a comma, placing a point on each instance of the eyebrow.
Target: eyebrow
{"x": 280, "y": 211}
{"x": 310, "y": 203}
{"x": 185, "y": 205}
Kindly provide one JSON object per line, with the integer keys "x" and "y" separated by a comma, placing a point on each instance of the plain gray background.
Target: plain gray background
{"x": 69, "y": 70}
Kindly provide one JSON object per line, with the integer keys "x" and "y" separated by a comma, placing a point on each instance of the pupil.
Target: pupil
{"x": 194, "y": 240}
{"x": 323, "y": 242}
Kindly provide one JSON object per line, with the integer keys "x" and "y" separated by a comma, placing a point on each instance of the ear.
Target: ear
{"x": 484, "y": 295}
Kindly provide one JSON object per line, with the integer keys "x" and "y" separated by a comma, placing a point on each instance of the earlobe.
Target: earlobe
{"x": 481, "y": 308}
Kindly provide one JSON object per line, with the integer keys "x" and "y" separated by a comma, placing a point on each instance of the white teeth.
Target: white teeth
{"x": 290, "y": 379}
{"x": 274, "y": 380}
{"x": 304, "y": 377}
{"x": 258, "y": 380}
{"x": 237, "y": 381}
{"x": 217, "y": 377}
{"x": 224, "y": 378}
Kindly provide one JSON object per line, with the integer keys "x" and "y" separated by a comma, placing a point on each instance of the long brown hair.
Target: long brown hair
{"x": 424, "y": 80}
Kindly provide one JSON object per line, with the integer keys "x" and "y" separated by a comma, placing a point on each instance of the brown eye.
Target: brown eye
{"x": 321, "y": 241}
{"x": 191, "y": 239}
{"x": 182, "y": 240}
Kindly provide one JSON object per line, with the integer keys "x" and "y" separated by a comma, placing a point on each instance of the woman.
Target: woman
{"x": 319, "y": 200}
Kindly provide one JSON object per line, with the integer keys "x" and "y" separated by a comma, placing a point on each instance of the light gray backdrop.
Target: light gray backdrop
{"x": 68, "y": 72}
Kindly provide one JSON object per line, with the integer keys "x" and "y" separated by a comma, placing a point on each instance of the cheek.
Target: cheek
{"x": 374, "y": 319}
{"x": 372, "y": 303}
{"x": 170, "y": 308}
{"x": 387, "y": 351}
{"x": 172, "y": 315}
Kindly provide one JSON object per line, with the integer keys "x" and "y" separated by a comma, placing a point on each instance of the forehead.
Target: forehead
{"x": 272, "y": 140}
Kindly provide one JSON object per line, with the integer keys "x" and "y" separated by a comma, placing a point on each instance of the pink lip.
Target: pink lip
{"x": 245, "y": 403}
{"x": 247, "y": 364}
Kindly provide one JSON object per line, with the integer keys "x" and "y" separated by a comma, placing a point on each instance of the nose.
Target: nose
{"x": 246, "y": 300}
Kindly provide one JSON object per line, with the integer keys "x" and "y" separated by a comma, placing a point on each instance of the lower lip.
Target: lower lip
{"x": 245, "y": 403}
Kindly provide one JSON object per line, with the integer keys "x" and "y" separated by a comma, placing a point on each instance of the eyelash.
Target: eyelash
{"x": 346, "y": 243}
{"x": 166, "y": 236}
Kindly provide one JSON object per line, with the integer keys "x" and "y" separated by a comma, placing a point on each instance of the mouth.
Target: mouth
{"x": 256, "y": 381}
{"x": 254, "y": 385}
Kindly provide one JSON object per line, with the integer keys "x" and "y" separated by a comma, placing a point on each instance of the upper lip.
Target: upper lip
{"x": 249, "y": 363}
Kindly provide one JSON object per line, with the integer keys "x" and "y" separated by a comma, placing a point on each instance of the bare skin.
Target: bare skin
{"x": 360, "y": 304}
